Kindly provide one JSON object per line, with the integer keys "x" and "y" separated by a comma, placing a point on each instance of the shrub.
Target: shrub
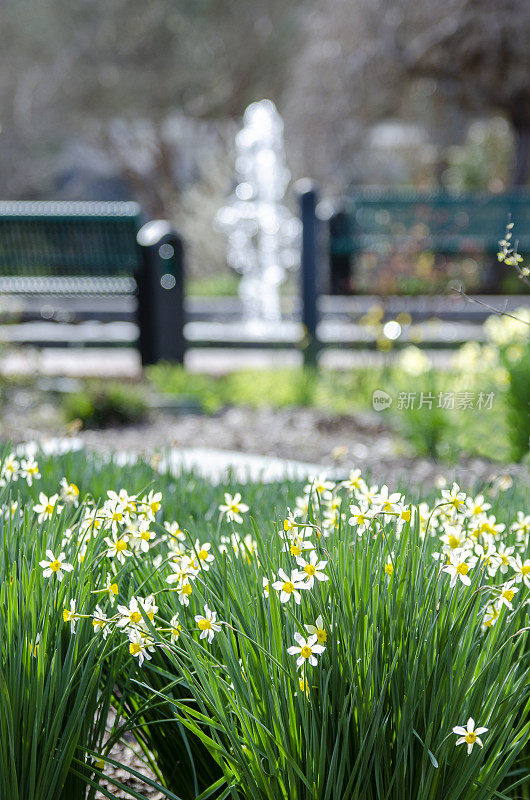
{"x": 102, "y": 405}
{"x": 176, "y": 381}
{"x": 518, "y": 402}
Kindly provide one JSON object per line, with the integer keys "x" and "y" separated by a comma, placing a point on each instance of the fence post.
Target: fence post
{"x": 339, "y": 253}
{"x": 309, "y": 272}
{"x": 160, "y": 282}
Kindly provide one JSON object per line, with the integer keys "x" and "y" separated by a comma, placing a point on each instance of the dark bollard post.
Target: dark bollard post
{"x": 339, "y": 256}
{"x": 161, "y": 294}
{"x": 309, "y": 272}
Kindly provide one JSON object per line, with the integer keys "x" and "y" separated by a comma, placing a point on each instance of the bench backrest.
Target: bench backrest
{"x": 454, "y": 223}
{"x": 92, "y": 239}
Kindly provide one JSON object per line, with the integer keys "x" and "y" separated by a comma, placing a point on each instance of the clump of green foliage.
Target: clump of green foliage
{"x": 518, "y": 406}
{"x": 103, "y": 405}
{"x": 439, "y": 432}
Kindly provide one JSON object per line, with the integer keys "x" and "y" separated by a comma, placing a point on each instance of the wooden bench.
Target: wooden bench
{"x": 51, "y": 250}
{"x": 465, "y": 225}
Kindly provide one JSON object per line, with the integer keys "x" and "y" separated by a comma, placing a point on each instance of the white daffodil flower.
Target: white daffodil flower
{"x": 233, "y": 508}
{"x": 306, "y": 649}
{"x": 507, "y": 593}
{"x": 140, "y": 646}
{"x": 70, "y": 616}
{"x": 318, "y": 630}
{"x": 55, "y": 566}
{"x": 460, "y": 562}
{"x": 311, "y": 570}
{"x": 469, "y": 735}
{"x": 46, "y": 506}
{"x": 207, "y": 624}
{"x": 289, "y": 586}
{"x": 522, "y": 570}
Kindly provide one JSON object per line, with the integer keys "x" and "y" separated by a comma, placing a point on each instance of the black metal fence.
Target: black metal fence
{"x": 99, "y": 249}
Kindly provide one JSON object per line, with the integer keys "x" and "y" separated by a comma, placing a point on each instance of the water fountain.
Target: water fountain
{"x": 263, "y": 235}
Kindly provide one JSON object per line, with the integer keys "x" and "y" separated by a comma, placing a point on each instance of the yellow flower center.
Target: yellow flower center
{"x": 114, "y": 588}
{"x": 295, "y": 550}
{"x": 389, "y": 569}
{"x": 310, "y": 569}
{"x": 322, "y": 636}
{"x": 462, "y": 568}
{"x": 66, "y": 615}
{"x": 204, "y": 625}
{"x": 306, "y": 651}
{"x": 477, "y": 510}
{"x": 55, "y": 566}
{"x": 453, "y": 541}
{"x": 155, "y": 506}
{"x": 525, "y": 569}
{"x": 508, "y": 594}
{"x": 48, "y": 509}
{"x": 135, "y": 617}
{"x": 405, "y": 515}
{"x": 186, "y": 589}
{"x": 471, "y": 737}
{"x": 121, "y": 544}
{"x": 288, "y": 587}
{"x": 203, "y": 554}
{"x": 145, "y": 535}
{"x": 117, "y": 516}
{"x": 176, "y": 631}
{"x": 387, "y": 506}
{"x": 135, "y": 648}
{"x": 504, "y": 559}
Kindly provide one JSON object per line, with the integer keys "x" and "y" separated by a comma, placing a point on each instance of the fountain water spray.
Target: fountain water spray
{"x": 263, "y": 236}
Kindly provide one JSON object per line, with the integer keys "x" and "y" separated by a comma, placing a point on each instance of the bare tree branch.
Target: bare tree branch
{"x": 498, "y": 311}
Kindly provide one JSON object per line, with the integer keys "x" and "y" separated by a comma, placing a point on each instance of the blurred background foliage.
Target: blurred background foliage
{"x": 127, "y": 100}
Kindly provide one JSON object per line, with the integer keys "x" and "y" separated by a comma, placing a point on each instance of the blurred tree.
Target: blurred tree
{"x": 124, "y": 73}
{"x": 441, "y": 63}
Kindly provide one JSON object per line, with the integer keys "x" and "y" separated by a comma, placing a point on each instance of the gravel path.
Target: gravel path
{"x": 335, "y": 441}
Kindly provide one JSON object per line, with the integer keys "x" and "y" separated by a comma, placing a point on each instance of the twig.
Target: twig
{"x": 498, "y": 311}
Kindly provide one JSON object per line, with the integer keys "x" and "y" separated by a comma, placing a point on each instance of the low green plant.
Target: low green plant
{"x": 58, "y": 667}
{"x": 435, "y": 429}
{"x": 54, "y": 692}
{"x": 518, "y": 405}
{"x": 103, "y": 405}
{"x": 510, "y": 335}
{"x": 409, "y": 654}
{"x": 175, "y": 380}
{"x": 271, "y": 388}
